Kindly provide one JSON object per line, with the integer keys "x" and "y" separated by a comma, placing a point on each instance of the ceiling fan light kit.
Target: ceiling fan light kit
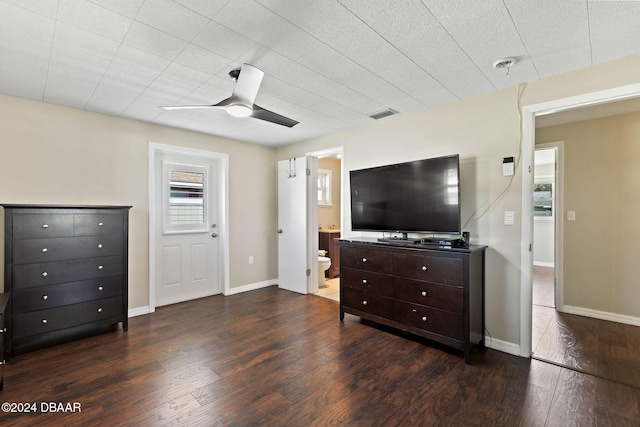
{"x": 241, "y": 102}
{"x": 239, "y": 110}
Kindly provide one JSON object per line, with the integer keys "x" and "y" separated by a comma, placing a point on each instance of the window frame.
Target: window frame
{"x": 325, "y": 193}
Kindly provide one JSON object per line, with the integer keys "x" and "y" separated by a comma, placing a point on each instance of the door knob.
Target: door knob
{"x": 279, "y": 230}
{"x": 214, "y": 235}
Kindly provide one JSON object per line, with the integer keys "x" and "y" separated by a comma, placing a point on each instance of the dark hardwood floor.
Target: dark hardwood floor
{"x": 602, "y": 348}
{"x": 275, "y": 358}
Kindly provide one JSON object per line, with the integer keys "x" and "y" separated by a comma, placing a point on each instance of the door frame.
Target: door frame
{"x": 223, "y": 211}
{"x": 528, "y": 119}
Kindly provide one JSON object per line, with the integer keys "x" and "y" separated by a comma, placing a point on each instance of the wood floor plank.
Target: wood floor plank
{"x": 273, "y": 357}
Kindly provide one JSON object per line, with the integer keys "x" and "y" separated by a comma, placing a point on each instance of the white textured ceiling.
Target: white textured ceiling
{"x": 327, "y": 63}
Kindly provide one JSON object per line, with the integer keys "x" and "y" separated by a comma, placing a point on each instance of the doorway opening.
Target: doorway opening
{"x": 330, "y": 196}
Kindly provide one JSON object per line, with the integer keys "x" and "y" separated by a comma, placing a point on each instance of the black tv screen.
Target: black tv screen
{"x": 422, "y": 196}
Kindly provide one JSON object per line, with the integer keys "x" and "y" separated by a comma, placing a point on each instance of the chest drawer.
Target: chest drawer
{"x": 445, "y": 297}
{"x": 363, "y": 259}
{"x": 33, "y": 226}
{"x": 98, "y": 224}
{"x": 45, "y": 297}
{"x": 373, "y": 283}
{"x": 55, "y": 249}
{"x": 429, "y": 268}
{"x": 429, "y": 319}
{"x": 369, "y": 303}
{"x": 47, "y": 273}
{"x": 39, "y": 322}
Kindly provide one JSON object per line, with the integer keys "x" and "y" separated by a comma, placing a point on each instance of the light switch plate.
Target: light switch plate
{"x": 509, "y": 218}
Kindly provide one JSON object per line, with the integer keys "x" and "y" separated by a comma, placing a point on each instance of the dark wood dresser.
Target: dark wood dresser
{"x": 66, "y": 268}
{"x": 4, "y": 302}
{"x": 437, "y": 293}
{"x": 329, "y": 240}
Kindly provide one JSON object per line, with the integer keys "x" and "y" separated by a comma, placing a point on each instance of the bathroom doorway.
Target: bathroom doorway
{"x": 330, "y": 195}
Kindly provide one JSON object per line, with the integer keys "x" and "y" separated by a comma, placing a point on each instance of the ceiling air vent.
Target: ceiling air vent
{"x": 382, "y": 114}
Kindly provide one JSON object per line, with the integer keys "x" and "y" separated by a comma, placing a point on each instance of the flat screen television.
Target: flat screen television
{"x": 421, "y": 196}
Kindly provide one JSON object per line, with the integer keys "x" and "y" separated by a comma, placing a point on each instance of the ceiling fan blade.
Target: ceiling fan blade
{"x": 270, "y": 116}
{"x": 247, "y": 84}
{"x": 222, "y": 103}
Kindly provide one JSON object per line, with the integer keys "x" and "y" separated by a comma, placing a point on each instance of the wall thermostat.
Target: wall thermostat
{"x": 507, "y": 166}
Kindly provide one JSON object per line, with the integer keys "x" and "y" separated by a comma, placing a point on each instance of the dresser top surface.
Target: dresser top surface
{"x": 372, "y": 241}
{"x": 22, "y": 206}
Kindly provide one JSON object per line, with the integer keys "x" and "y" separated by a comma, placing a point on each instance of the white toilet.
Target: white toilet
{"x": 323, "y": 265}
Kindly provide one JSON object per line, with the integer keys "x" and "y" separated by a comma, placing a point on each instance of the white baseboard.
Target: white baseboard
{"x": 503, "y": 346}
{"x": 251, "y": 287}
{"x": 139, "y": 311}
{"x": 602, "y": 315}
{"x": 543, "y": 264}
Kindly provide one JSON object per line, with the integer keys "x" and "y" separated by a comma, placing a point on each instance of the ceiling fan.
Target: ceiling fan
{"x": 240, "y": 104}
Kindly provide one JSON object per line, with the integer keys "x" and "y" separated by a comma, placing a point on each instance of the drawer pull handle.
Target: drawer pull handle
{"x": 45, "y": 297}
{"x": 3, "y": 330}
{"x": 99, "y": 245}
{"x": 100, "y": 267}
{"x": 45, "y": 250}
{"x": 424, "y": 293}
{"x": 44, "y": 321}
{"x": 100, "y": 224}
{"x": 100, "y": 288}
{"x": 364, "y": 302}
{"x": 100, "y": 310}
{"x": 45, "y": 225}
{"x": 364, "y": 260}
{"x": 424, "y": 268}
{"x": 1, "y": 362}
{"x": 364, "y": 281}
{"x": 45, "y": 274}
{"x": 424, "y": 318}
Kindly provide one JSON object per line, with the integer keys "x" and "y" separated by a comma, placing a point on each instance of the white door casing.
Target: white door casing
{"x": 187, "y": 263}
{"x": 297, "y": 209}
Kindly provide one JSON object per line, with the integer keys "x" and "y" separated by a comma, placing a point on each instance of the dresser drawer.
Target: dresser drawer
{"x": 39, "y": 322}
{"x": 59, "y": 248}
{"x": 429, "y": 319}
{"x": 363, "y": 259}
{"x": 373, "y": 283}
{"x": 445, "y": 297}
{"x": 45, "y": 297}
{"x": 369, "y": 303}
{"x": 28, "y": 226}
{"x": 98, "y": 224}
{"x": 430, "y": 268}
{"x": 47, "y": 273}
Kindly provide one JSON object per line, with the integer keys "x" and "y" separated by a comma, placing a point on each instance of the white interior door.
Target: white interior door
{"x": 186, "y": 230}
{"x": 297, "y": 182}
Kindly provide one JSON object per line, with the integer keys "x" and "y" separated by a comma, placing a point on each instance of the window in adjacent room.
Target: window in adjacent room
{"x": 185, "y": 198}
{"x": 324, "y": 187}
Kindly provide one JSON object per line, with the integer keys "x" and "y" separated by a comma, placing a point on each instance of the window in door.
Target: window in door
{"x": 185, "y": 195}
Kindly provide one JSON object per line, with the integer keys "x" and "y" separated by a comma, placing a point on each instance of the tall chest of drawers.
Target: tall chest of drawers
{"x": 437, "y": 293}
{"x": 66, "y": 268}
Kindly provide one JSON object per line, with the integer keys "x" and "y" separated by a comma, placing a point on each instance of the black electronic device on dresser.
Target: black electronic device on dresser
{"x": 433, "y": 292}
{"x": 67, "y": 270}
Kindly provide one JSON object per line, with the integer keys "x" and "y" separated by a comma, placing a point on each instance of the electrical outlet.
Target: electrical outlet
{"x": 571, "y": 215}
{"x": 251, "y": 259}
